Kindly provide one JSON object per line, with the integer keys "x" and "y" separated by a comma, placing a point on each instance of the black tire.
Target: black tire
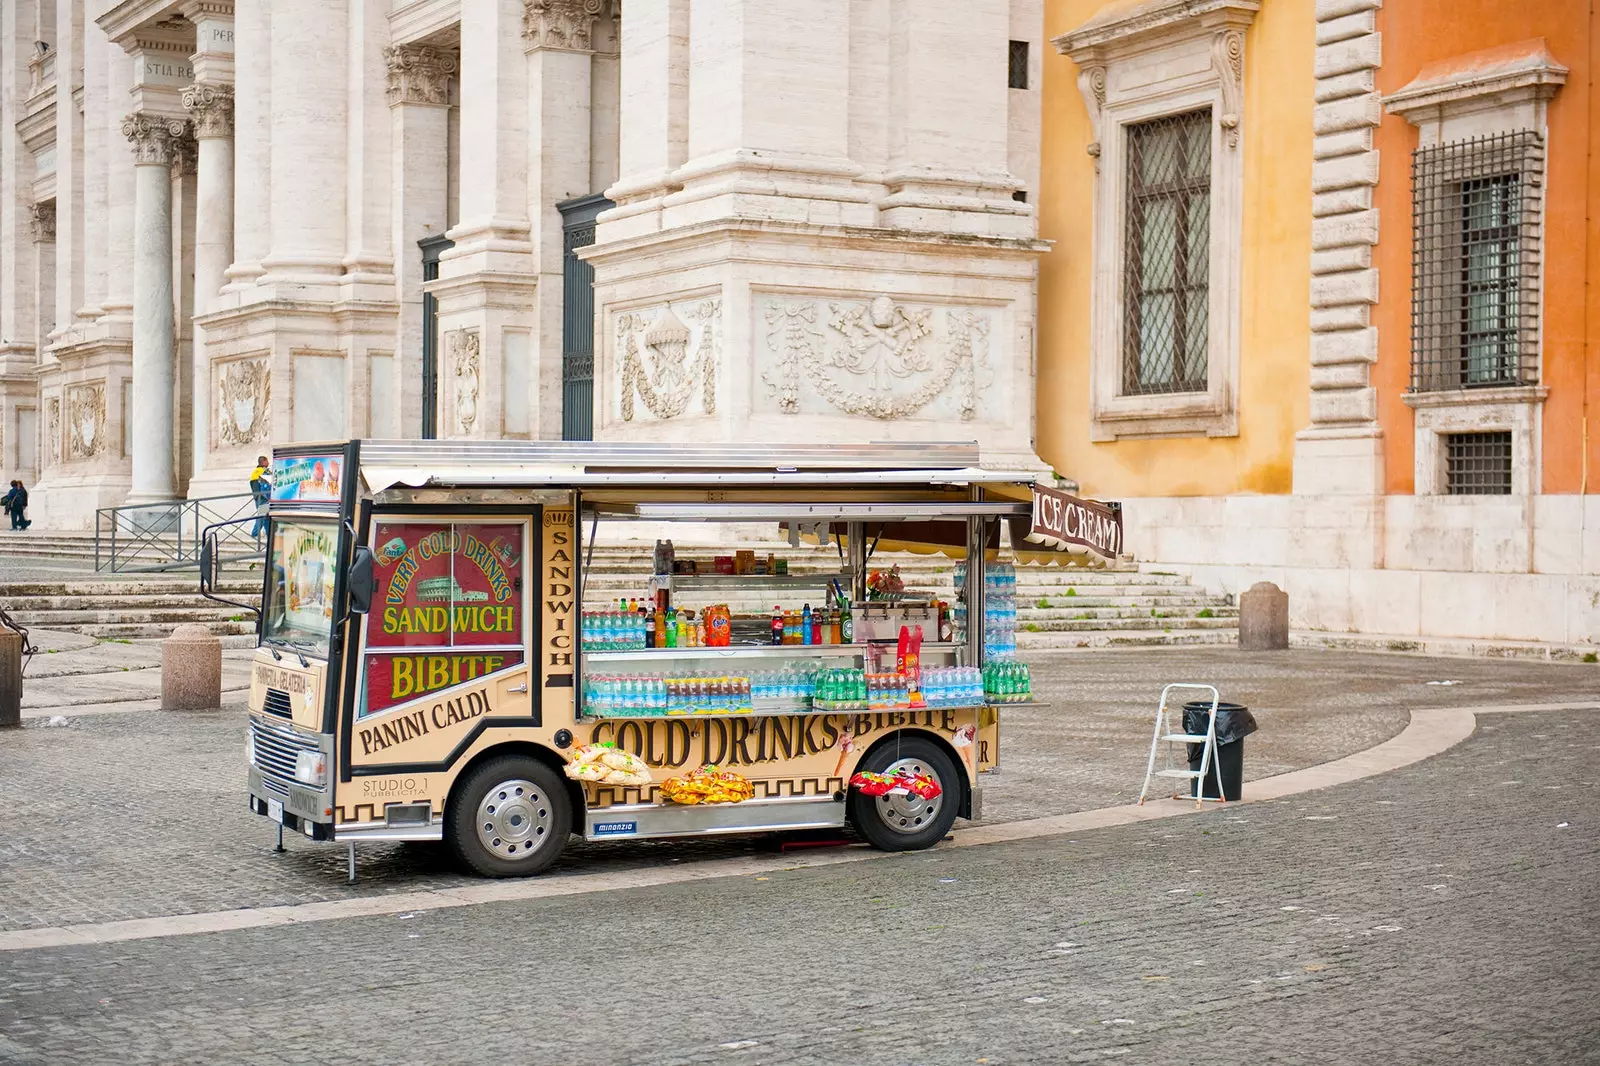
{"x": 905, "y": 823}
{"x": 525, "y": 823}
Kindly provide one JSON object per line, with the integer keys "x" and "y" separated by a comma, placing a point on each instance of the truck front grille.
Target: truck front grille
{"x": 277, "y": 747}
{"x": 277, "y": 702}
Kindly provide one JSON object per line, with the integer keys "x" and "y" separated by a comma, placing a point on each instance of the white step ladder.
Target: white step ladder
{"x": 1169, "y": 734}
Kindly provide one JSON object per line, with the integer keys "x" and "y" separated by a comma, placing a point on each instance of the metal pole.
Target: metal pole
{"x": 10, "y": 679}
{"x": 352, "y": 862}
{"x": 280, "y": 838}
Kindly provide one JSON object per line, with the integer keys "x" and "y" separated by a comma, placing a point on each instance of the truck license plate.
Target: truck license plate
{"x": 275, "y": 811}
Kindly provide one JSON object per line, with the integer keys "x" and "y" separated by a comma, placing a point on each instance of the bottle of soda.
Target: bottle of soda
{"x": 777, "y": 624}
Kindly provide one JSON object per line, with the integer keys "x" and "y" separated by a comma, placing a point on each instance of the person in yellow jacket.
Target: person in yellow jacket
{"x": 261, "y": 492}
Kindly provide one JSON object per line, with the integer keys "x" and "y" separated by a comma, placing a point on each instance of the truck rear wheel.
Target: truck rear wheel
{"x": 907, "y": 823}
{"x": 509, "y": 818}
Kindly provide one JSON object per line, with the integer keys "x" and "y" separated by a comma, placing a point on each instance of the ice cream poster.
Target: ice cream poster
{"x": 307, "y": 576}
{"x": 307, "y": 478}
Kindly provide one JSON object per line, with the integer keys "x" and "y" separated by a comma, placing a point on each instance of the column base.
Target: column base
{"x": 1338, "y": 460}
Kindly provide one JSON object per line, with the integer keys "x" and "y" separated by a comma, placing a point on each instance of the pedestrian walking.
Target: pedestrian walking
{"x": 15, "y": 502}
{"x": 260, "y": 492}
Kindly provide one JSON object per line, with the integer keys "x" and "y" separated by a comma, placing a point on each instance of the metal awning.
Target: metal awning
{"x": 597, "y": 457}
{"x": 905, "y": 510}
{"x": 465, "y": 475}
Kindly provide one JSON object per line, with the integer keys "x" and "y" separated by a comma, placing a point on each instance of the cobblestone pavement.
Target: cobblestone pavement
{"x": 143, "y": 814}
{"x": 1443, "y": 912}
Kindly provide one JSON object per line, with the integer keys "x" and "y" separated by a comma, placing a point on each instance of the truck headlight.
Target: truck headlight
{"x": 311, "y": 768}
{"x": 250, "y": 747}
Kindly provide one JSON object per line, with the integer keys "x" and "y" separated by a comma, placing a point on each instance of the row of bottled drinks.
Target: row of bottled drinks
{"x": 791, "y": 689}
{"x": 999, "y": 609}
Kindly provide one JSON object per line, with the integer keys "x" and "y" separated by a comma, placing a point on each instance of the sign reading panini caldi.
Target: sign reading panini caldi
{"x": 1060, "y": 520}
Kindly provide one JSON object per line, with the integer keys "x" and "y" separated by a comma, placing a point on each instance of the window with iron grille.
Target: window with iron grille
{"x": 1167, "y": 255}
{"x": 1475, "y": 262}
{"x": 1478, "y": 464}
{"x": 1017, "y": 67}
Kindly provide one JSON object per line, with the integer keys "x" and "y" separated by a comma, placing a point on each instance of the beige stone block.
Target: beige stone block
{"x": 1582, "y": 610}
{"x": 1329, "y": 145}
{"x": 1341, "y": 201}
{"x": 1319, "y": 598}
{"x": 1342, "y": 86}
{"x": 1344, "y": 172}
{"x": 191, "y": 670}
{"x": 1344, "y": 27}
{"x": 1338, "y": 260}
{"x": 1454, "y": 603}
{"x": 1590, "y": 535}
{"x": 1349, "y": 316}
{"x": 1337, "y": 116}
{"x": 1348, "y": 469}
{"x": 1339, "y": 231}
{"x": 1356, "y": 286}
{"x": 1385, "y": 601}
{"x": 1332, "y": 9}
{"x": 1256, "y": 512}
{"x": 1344, "y": 405}
{"x": 1531, "y": 607}
{"x": 1345, "y": 346}
{"x": 1346, "y": 56}
{"x": 1339, "y": 376}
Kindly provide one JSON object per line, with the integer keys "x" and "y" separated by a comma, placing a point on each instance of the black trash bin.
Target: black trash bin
{"x": 1234, "y": 723}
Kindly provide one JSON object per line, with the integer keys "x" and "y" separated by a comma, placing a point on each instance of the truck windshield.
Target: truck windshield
{"x": 298, "y": 612}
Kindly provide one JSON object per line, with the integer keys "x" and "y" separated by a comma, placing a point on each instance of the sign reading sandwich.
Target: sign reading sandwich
{"x": 448, "y": 607}
{"x": 1061, "y": 520}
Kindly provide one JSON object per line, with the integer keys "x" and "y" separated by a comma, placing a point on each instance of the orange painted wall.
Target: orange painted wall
{"x": 1417, "y": 32}
{"x": 1274, "y": 389}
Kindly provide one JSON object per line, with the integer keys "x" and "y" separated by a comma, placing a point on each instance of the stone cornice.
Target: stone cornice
{"x": 1115, "y": 31}
{"x": 1524, "y": 70}
{"x": 419, "y": 74}
{"x": 195, "y": 10}
{"x": 129, "y": 17}
{"x": 563, "y": 25}
{"x": 154, "y": 137}
{"x": 212, "y": 109}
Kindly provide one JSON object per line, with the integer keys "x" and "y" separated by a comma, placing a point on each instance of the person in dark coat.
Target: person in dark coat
{"x": 15, "y": 502}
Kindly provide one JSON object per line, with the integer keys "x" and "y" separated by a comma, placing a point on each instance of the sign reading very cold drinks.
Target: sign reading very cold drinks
{"x": 448, "y": 607}
{"x": 1060, "y": 520}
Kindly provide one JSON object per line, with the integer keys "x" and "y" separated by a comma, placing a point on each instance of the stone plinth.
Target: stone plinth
{"x": 191, "y": 670}
{"x": 1263, "y": 618}
{"x": 11, "y": 678}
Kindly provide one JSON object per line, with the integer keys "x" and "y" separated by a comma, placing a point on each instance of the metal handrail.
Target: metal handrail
{"x": 166, "y": 536}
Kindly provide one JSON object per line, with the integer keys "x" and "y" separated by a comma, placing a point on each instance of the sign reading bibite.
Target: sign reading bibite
{"x": 1060, "y": 520}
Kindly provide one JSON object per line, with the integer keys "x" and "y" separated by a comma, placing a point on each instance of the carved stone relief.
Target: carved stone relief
{"x": 154, "y": 137}
{"x": 244, "y": 404}
{"x": 52, "y": 430}
{"x": 212, "y": 108}
{"x": 1227, "y": 59}
{"x": 654, "y": 364}
{"x": 86, "y": 420}
{"x": 419, "y": 74}
{"x": 43, "y": 219}
{"x": 565, "y": 24}
{"x": 880, "y": 359}
{"x": 465, "y": 368}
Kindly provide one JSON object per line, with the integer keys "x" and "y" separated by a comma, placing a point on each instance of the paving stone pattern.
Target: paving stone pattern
{"x": 143, "y": 814}
{"x": 1440, "y": 913}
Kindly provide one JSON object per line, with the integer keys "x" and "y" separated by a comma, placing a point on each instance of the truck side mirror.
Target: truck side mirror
{"x": 210, "y": 562}
{"x": 360, "y": 581}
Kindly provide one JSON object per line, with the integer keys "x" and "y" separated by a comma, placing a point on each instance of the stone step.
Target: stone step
{"x": 141, "y": 602}
{"x": 1033, "y": 642}
{"x": 76, "y": 620}
{"x": 123, "y": 589}
{"x": 160, "y": 631}
{"x": 1075, "y": 625}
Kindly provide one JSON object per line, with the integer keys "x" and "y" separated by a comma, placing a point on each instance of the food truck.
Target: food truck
{"x": 431, "y": 666}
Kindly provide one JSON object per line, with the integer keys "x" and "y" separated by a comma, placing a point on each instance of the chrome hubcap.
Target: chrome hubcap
{"x": 514, "y": 819}
{"x": 910, "y": 813}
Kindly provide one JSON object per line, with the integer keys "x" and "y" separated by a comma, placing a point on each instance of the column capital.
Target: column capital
{"x": 211, "y": 109}
{"x": 154, "y": 136}
{"x": 42, "y": 218}
{"x": 419, "y": 74}
{"x": 561, "y": 25}
{"x": 185, "y": 155}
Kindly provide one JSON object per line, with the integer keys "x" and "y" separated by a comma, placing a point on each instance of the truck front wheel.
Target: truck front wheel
{"x": 509, "y": 818}
{"x": 907, "y": 823}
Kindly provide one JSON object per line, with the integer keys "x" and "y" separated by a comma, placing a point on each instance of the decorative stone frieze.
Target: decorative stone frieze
{"x": 654, "y": 364}
{"x": 211, "y": 109}
{"x": 42, "y": 219}
{"x": 153, "y": 136}
{"x": 419, "y": 74}
{"x": 880, "y": 359}
{"x": 52, "y": 430}
{"x": 466, "y": 370}
{"x": 86, "y": 420}
{"x": 244, "y": 402}
{"x": 567, "y": 25}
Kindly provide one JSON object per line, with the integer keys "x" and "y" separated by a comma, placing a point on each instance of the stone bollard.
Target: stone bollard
{"x": 191, "y": 670}
{"x": 1263, "y": 618}
{"x": 10, "y": 678}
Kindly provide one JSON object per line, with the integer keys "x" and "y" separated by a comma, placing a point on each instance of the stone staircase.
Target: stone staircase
{"x": 1057, "y": 606}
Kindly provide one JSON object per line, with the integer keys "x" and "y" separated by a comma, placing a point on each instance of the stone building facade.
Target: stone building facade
{"x": 227, "y": 224}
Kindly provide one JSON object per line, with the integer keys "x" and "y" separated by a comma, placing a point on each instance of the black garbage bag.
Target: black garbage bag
{"x": 1234, "y": 722}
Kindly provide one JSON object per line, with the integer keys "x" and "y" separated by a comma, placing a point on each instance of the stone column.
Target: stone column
{"x": 559, "y": 39}
{"x": 252, "y": 183}
{"x": 654, "y": 137}
{"x": 153, "y": 138}
{"x": 116, "y": 167}
{"x": 309, "y": 149}
{"x": 419, "y": 99}
{"x": 69, "y": 167}
{"x": 98, "y": 119}
{"x": 212, "y": 109}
